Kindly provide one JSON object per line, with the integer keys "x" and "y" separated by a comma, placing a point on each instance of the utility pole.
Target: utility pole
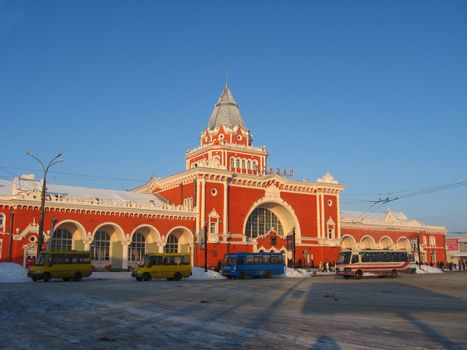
{"x": 293, "y": 246}
{"x": 10, "y": 240}
{"x": 205, "y": 248}
{"x": 55, "y": 160}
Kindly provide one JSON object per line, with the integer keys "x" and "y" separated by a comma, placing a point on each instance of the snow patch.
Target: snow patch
{"x": 200, "y": 274}
{"x": 13, "y": 273}
{"x": 427, "y": 269}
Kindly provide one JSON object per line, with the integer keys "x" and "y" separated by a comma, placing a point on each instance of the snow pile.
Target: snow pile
{"x": 428, "y": 269}
{"x": 199, "y": 274}
{"x": 296, "y": 273}
{"x": 111, "y": 276}
{"x": 13, "y": 273}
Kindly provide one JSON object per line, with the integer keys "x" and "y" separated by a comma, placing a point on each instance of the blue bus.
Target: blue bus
{"x": 242, "y": 265}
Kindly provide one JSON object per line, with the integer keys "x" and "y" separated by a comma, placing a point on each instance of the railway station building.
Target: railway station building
{"x": 227, "y": 199}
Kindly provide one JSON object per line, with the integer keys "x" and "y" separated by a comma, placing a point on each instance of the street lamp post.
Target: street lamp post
{"x": 53, "y": 161}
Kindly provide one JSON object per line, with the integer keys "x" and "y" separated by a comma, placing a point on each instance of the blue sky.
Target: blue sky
{"x": 373, "y": 91}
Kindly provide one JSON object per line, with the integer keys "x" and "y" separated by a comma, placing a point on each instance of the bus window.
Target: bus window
{"x": 186, "y": 260}
{"x": 266, "y": 259}
{"x": 344, "y": 258}
{"x": 240, "y": 260}
{"x": 354, "y": 259}
{"x": 258, "y": 259}
{"x": 275, "y": 259}
{"x": 250, "y": 259}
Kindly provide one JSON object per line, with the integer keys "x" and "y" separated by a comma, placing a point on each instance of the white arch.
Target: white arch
{"x": 80, "y": 230}
{"x": 118, "y": 231}
{"x": 385, "y": 242}
{"x": 403, "y": 243}
{"x": 348, "y": 242}
{"x": 284, "y": 213}
{"x": 150, "y": 231}
{"x": 367, "y": 242}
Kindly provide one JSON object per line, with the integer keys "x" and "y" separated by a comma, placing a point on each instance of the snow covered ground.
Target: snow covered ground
{"x": 428, "y": 269}
{"x": 13, "y": 273}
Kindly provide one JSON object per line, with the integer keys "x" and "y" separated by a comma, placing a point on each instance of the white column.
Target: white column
{"x": 318, "y": 215}
{"x": 226, "y": 214}
{"x": 338, "y": 217}
{"x": 125, "y": 256}
{"x": 323, "y": 225}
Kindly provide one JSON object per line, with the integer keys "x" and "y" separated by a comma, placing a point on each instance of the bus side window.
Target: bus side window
{"x": 250, "y": 259}
{"x": 186, "y": 260}
{"x": 258, "y": 259}
{"x": 240, "y": 260}
{"x": 354, "y": 259}
{"x": 274, "y": 259}
{"x": 266, "y": 259}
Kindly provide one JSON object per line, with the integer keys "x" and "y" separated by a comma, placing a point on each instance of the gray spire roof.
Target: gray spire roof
{"x": 226, "y": 112}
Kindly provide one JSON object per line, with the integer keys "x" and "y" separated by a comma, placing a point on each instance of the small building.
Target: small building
{"x": 456, "y": 249}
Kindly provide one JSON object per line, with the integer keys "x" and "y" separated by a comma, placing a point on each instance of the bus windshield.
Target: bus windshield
{"x": 344, "y": 258}
{"x": 230, "y": 260}
{"x": 41, "y": 259}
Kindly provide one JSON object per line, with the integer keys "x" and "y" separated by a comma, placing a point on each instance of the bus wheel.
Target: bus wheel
{"x": 177, "y": 276}
{"x": 393, "y": 274}
{"x": 77, "y": 277}
{"x": 358, "y": 274}
{"x": 46, "y": 276}
{"x": 34, "y": 279}
{"x": 268, "y": 274}
{"x": 139, "y": 279}
{"x": 242, "y": 275}
{"x": 146, "y": 276}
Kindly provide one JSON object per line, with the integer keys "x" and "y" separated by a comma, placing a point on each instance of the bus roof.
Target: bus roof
{"x": 65, "y": 252}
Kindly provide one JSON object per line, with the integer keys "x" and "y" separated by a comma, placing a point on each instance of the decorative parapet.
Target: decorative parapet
{"x": 227, "y": 146}
{"x": 390, "y": 220}
{"x": 98, "y": 202}
{"x": 327, "y": 178}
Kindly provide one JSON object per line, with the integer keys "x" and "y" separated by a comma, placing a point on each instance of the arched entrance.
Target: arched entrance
{"x": 271, "y": 215}
{"x": 385, "y": 243}
{"x": 367, "y": 242}
{"x": 348, "y": 242}
{"x": 67, "y": 235}
{"x": 179, "y": 240}
{"x": 403, "y": 244}
{"x": 144, "y": 239}
{"x": 107, "y": 247}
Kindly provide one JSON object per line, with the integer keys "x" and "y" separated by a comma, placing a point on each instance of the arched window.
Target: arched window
{"x": 100, "y": 246}
{"x": 243, "y": 164}
{"x": 137, "y": 247}
{"x": 249, "y": 164}
{"x": 61, "y": 240}
{"x": 255, "y": 165}
{"x": 261, "y": 221}
{"x": 237, "y": 164}
{"x": 172, "y": 244}
{"x": 232, "y": 163}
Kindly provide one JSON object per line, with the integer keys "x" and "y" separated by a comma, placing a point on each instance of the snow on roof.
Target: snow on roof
{"x": 350, "y": 214}
{"x": 20, "y": 184}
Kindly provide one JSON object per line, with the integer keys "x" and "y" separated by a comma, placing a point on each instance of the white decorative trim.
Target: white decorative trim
{"x": 327, "y": 178}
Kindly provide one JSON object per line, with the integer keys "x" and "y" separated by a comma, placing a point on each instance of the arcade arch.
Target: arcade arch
{"x": 385, "y": 243}
{"x": 107, "y": 246}
{"x": 367, "y": 242}
{"x": 68, "y": 235}
{"x": 348, "y": 242}
{"x": 403, "y": 244}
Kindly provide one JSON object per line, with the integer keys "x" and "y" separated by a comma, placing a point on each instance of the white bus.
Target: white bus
{"x": 372, "y": 263}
